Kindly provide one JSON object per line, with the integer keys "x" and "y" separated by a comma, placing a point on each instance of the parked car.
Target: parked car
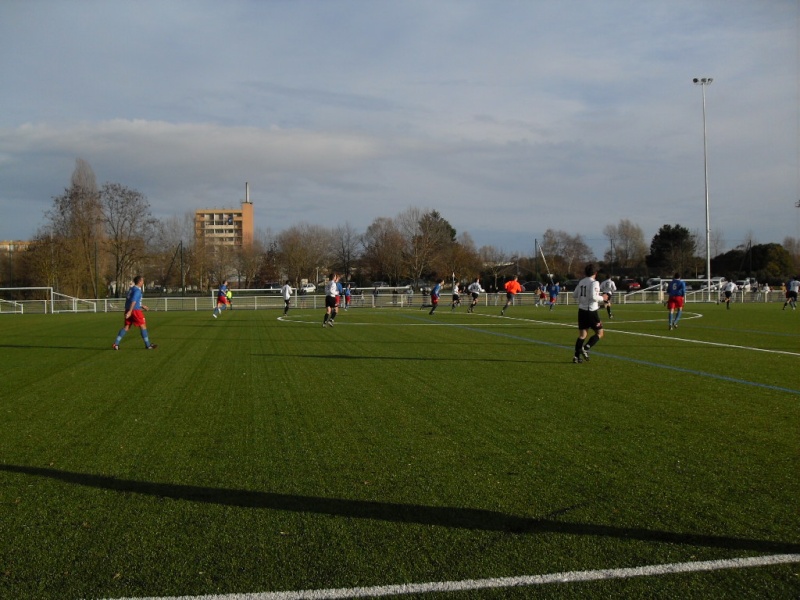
{"x": 532, "y": 286}
{"x": 308, "y": 288}
{"x": 570, "y": 284}
{"x": 630, "y": 284}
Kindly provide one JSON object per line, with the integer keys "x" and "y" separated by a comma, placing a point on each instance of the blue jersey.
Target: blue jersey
{"x": 437, "y": 289}
{"x": 223, "y": 290}
{"x": 133, "y": 301}
{"x": 677, "y": 287}
{"x": 554, "y": 289}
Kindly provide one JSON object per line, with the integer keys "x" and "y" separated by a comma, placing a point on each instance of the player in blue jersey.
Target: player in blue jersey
{"x": 134, "y": 315}
{"x": 222, "y": 299}
{"x": 435, "y": 293}
{"x": 676, "y": 295}
{"x": 553, "y": 290}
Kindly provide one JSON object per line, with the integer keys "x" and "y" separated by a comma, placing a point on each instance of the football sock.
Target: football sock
{"x": 120, "y": 335}
{"x": 145, "y": 338}
{"x": 677, "y": 316}
{"x": 578, "y": 346}
{"x": 592, "y": 341}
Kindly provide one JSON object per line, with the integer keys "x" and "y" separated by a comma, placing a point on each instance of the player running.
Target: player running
{"x": 456, "y": 296}
{"x": 435, "y": 293}
{"x": 587, "y": 295}
{"x": 475, "y": 291}
{"x": 222, "y": 299}
{"x": 513, "y": 288}
{"x": 607, "y": 288}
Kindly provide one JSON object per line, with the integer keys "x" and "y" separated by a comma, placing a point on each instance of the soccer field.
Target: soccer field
{"x": 448, "y": 456}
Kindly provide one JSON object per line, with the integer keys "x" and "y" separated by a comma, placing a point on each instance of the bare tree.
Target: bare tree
{"x": 565, "y": 252}
{"x": 383, "y": 249}
{"x": 495, "y": 261}
{"x": 461, "y": 259}
{"x": 76, "y": 220}
{"x": 628, "y": 244}
{"x": 346, "y": 245}
{"x": 129, "y": 226}
{"x": 426, "y": 236}
{"x": 303, "y": 249}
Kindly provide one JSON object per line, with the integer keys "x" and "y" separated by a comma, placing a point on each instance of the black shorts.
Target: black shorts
{"x": 728, "y": 294}
{"x": 791, "y": 295}
{"x": 589, "y": 319}
{"x": 509, "y": 296}
{"x": 330, "y": 301}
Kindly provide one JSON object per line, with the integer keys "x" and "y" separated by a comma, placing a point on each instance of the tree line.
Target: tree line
{"x": 96, "y": 238}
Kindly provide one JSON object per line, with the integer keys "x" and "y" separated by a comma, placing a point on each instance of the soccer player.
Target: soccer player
{"x": 791, "y": 293}
{"x": 676, "y": 296}
{"x": 134, "y": 314}
{"x": 728, "y": 290}
{"x": 229, "y": 298}
{"x": 222, "y": 298}
{"x": 456, "y": 296}
{"x": 553, "y": 290}
{"x": 587, "y": 295}
{"x": 286, "y": 292}
{"x": 542, "y": 295}
{"x": 607, "y": 288}
{"x": 435, "y": 293}
{"x": 512, "y": 289}
{"x": 331, "y": 296}
{"x": 475, "y": 290}
{"x": 347, "y": 296}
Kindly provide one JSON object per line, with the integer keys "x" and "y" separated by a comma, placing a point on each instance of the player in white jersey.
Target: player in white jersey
{"x": 728, "y": 290}
{"x": 456, "y": 296}
{"x": 791, "y": 293}
{"x": 331, "y": 294}
{"x": 607, "y": 288}
{"x": 587, "y": 295}
{"x": 475, "y": 290}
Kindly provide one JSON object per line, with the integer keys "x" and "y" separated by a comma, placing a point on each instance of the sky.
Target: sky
{"x": 509, "y": 117}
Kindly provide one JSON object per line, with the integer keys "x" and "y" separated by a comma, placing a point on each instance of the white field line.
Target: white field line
{"x": 669, "y": 337}
{"x": 500, "y": 582}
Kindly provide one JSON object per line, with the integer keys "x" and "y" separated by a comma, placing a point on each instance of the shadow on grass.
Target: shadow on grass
{"x": 460, "y": 518}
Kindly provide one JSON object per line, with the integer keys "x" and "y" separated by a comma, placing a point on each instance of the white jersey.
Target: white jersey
{"x": 286, "y": 292}
{"x": 794, "y": 285}
{"x": 331, "y": 289}
{"x": 475, "y": 288}
{"x": 730, "y": 287}
{"x": 608, "y": 286}
{"x": 587, "y": 294}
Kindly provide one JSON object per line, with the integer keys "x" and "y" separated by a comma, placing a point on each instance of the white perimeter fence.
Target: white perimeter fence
{"x": 53, "y": 302}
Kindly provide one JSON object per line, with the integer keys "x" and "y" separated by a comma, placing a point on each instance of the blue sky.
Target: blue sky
{"x": 508, "y": 117}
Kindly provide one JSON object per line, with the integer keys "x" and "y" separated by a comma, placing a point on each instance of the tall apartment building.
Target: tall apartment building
{"x": 226, "y": 226}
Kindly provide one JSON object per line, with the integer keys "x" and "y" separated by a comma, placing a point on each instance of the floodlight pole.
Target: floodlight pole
{"x": 703, "y": 82}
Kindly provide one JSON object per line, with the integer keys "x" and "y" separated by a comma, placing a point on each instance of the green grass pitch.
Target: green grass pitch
{"x": 252, "y": 454}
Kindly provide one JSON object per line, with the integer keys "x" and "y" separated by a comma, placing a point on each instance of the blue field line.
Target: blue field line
{"x": 632, "y": 360}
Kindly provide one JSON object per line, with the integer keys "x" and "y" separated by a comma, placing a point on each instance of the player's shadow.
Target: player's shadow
{"x": 441, "y": 516}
